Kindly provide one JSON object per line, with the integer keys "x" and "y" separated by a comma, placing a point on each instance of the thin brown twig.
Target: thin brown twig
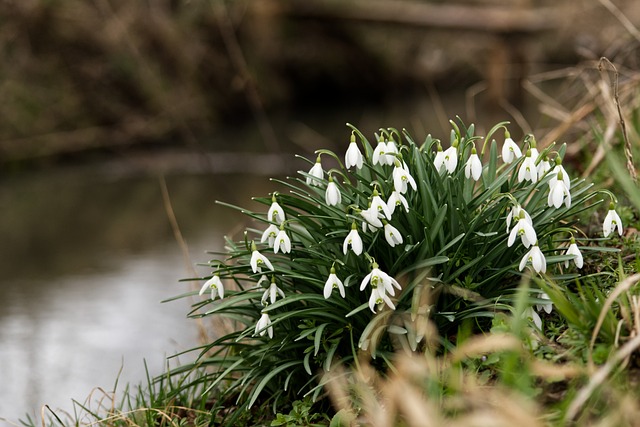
{"x": 616, "y": 99}
{"x": 202, "y": 332}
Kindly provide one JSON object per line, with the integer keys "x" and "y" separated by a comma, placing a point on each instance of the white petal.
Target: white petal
{"x": 365, "y": 281}
{"x": 328, "y": 287}
{"x": 438, "y": 161}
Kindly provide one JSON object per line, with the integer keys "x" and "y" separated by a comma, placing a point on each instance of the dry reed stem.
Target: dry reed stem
{"x": 597, "y": 378}
{"x": 616, "y": 99}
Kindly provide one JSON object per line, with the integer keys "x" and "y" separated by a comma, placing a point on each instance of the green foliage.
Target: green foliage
{"x": 300, "y": 416}
{"x": 322, "y": 298}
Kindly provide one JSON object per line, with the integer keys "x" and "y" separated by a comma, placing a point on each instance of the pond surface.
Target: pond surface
{"x": 86, "y": 261}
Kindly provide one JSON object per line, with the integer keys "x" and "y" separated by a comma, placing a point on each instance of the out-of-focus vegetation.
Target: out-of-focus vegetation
{"x": 107, "y": 74}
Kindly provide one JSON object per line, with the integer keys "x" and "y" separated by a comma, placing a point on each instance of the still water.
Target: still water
{"x": 85, "y": 261}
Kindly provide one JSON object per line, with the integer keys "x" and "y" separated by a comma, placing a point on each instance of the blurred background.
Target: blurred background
{"x": 104, "y": 102}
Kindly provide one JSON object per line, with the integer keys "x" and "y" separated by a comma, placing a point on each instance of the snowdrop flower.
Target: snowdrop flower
{"x": 524, "y": 229}
{"x": 316, "y": 172}
{"x": 379, "y": 279}
{"x": 332, "y": 196}
{"x": 528, "y": 170}
{"x": 380, "y": 154}
{"x": 371, "y": 219}
{"x": 258, "y": 260}
{"x": 353, "y": 239}
{"x": 272, "y": 292}
{"x": 510, "y": 150}
{"x": 547, "y": 306}
{"x": 282, "y": 242}
{"x": 515, "y": 214}
{"x": 559, "y": 192}
{"x": 611, "y": 221}
{"x": 543, "y": 167}
{"x": 438, "y": 161}
{"x": 378, "y": 205}
{"x": 473, "y": 167}
{"x": 397, "y": 199}
{"x": 333, "y": 283}
{"x": 402, "y": 177}
{"x": 353, "y": 157}
{"x": 264, "y": 322}
{"x": 270, "y": 235}
{"x": 215, "y": 284}
{"x": 392, "y": 235}
{"x": 536, "y": 258}
{"x": 451, "y": 157}
{"x": 574, "y": 250}
{"x": 275, "y": 213}
{"x": 378, "y": 296}
{"x": 554, "y": 174}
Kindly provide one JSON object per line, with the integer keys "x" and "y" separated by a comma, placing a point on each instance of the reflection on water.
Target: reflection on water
{"x": 85, "y": 263}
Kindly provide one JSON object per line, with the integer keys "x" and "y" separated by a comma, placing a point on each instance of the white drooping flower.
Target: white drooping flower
{"x": 559, "y": 169}
{"x": 332, "y": 196}
{"x": 536, "y": 258}
{"x": 258, "y": 260}
{"x": 379, "y": 296}
{"x": 558, "y": 193}
{"x": 515, "y": 215}
{"x": 316, "y": 172}
{"x": 612, "y": 221}
{"x": 282, "y": 242}
{"x": 543, "y": 167}
{"x": 275, "y": 213}
{"x": 574, "y": 250}
{"x": 353, "y": 156}
{"x": 391, "y": 152}
{"x": 402, "y": 177}
{"x": 528, "y": 170}
{"x": 524, "y": 230}
{"x": 451, "y": 157}
{"x": 392, "y": 235}
{"x": 271, "y": 293}
{"x": 215, "y": 284}
{"x": 264, "y": 326}
{"x": 379, "y": 279}
{"x": 269, "y": 235}
{"x": 397, "y": 199}
{"x": 353, "y": 239}
{"x": 378, "y": 205}
{"x": 510, "y": 150}
{"x": 473, "y": 167}
{"x": 380, "y": 154}
{"x": 333, "y": 282}
{"x": 546, "y": 306}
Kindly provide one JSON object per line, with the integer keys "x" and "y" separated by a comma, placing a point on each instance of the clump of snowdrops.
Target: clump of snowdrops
{"x": 357, "y": 253}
